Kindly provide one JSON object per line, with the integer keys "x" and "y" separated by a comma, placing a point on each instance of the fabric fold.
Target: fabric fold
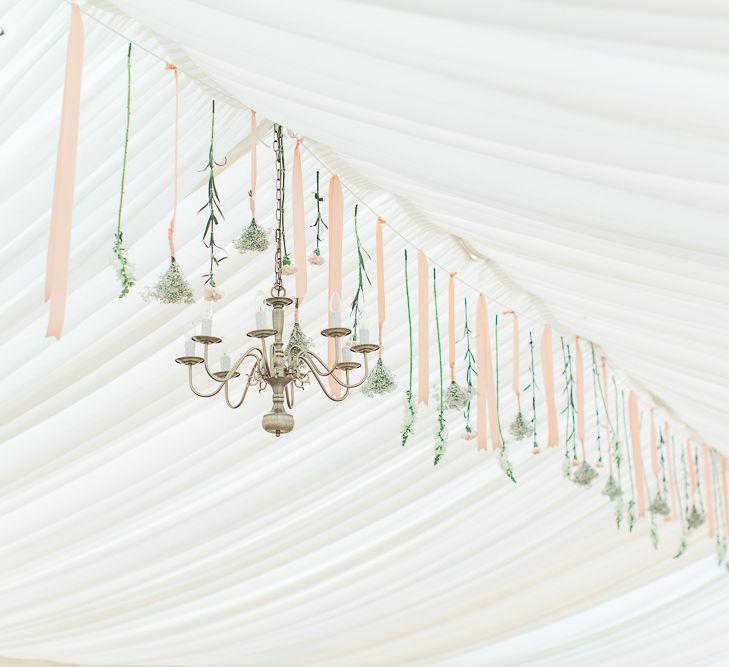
{"x": 59, "y": 239}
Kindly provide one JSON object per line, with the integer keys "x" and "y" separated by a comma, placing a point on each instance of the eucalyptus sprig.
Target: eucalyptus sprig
{"x": 503, "y": 456}
{"x": 595, "y": 385}
{"x": 569, "y": 410}
{"x": 121, "y": 265}
{"x": 683, "y": 544}
{"x": 359, "y": 297}
{"x": 410, "y": 409}
{"x": 319, "y": 222}
{"x": 213, "y": 206}
{"x": 631, "y": 502}
{"x": 470, "y": 369}
{"x": 533, "y": 386}
{"x": 441, "y": 439}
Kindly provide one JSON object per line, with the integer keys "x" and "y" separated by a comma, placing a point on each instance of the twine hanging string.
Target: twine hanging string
{"x": 299, "y": 225}
{"x": 175, "y": 181}
{"x": 452, "y": 325}
{"x": 254, "y": 166}
{"x": 380, "y": 258}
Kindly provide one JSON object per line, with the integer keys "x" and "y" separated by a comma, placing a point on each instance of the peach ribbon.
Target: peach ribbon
{"x": 483, "y": 334}
{"x": 709, "y": 482}
{"x": 59, "y": 239}
{"x": 580, "y": 395}
{"x": 634, "y": 426}
{"x": 297, "y": 210}
{"x": 691, "y": 469}
{"x": 515, "y": 357}
{"x": 423, "y": 343}
{"x": 171, "y": 229}
{"x": 608, "y": 437}
{"x": 548, "y": 372}
{"x": 725, "y": 492}
{"x": 380, "y": 253}
{"x": 671, "y": 472}
{"x": 254, "y": 166}
{"x": 452, "y": 325}
{"x": 336, "y": 231}
{"x": 655, "y": 467}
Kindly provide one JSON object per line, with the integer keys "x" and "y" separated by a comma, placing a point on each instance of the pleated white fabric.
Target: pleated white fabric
{"x": 574, "y": 152}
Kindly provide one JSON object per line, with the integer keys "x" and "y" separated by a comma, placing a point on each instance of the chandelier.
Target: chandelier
{"x": 284, "y": 371}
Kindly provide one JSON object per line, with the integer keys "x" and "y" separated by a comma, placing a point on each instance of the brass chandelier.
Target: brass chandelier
{"x": 283, "y": 371}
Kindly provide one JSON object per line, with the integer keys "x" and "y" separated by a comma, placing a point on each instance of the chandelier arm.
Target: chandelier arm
{"x": 326, "y": 372}
{"x": 321, "y": 385}
{"x": 245, "y": 389}
{"x": 233, "y": 369}
{"x": 346, "y": 384}
{"x": 289, "y": 388}
{"x": 200, "y": 394}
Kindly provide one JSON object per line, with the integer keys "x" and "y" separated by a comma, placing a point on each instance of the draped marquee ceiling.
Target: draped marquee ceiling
{"x": 569, "y": 160}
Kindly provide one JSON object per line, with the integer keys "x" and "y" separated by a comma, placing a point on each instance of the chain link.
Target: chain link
{"x": 278, "y": 288}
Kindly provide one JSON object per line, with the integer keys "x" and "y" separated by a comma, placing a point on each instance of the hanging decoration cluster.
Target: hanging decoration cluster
{"x": 680, "y": 482}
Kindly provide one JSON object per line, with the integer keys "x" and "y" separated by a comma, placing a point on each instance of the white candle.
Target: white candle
{"x": 206, "y": 328}
{"x": 260, "y": 310}
{"x": 189, "y": 347}
{"x": 335, "y": 311}
{"x": 225, "y": 362}
{"x": 347, "y": 351}
{"x": 364, "y": 333}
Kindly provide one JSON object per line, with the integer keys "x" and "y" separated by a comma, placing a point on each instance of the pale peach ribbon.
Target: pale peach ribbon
{"x": 482, "y": 371}
{"x": 580, "y": 395}
{"x": 709, "y": 483}
{"x": 515, "y": 357}
{"x": 483, "y": 334}
{"x": 59, "y": 239}
{"x": 254, "y": 166}
{"x": 548, "y": 373}
{"x": 634, "y": 426}
{"x": 380, "y": 255}
{"x": 297, "y": 210}
{"x": 691, "y": 469}
{"x": 423, "y": 343}
{"x": 452, "y": 325}
{"x": 608, "y": 437}
{"x": 171, "y": 229}
{"x": 725, "y": 492}
{"x": 336, "y": 231}
{"x": 671, "y": 472}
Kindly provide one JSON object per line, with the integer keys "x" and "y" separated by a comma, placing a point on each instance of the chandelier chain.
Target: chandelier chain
{"x": 278, "y": 288}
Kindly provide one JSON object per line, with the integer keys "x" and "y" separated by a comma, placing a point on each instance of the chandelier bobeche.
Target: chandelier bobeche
{"x": 282, "y": 371}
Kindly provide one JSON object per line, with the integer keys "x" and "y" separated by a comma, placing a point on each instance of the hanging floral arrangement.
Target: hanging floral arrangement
{"x": 470, "y": 359}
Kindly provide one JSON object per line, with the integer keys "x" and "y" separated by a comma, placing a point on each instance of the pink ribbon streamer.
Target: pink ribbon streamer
{"x": 423, "y": 342}
{"x": 634, "y": 426}
{"x": 452, "y": 325}
{"x": 548, "y": 373}
{"x": 691, "y": 469}
{"x": 171, "y": 229}
{"x": 380, "y": 256}
{"x": 336, "y": 232}
{"x": 297, "y": 206}
{"x": 59, "y": 240}
{"x": 580, "y": 395}
{"x": 483, "y": 334}
{"x": 655, "y": 469}
{"x": 254, "y": 166}
{"x": 482, "y": 372}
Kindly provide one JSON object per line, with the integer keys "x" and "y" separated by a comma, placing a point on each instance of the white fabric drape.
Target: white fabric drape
{"x": 576, "y": 151}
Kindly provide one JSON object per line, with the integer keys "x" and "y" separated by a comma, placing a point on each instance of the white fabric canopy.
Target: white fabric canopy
{"x": 575, "y": 153}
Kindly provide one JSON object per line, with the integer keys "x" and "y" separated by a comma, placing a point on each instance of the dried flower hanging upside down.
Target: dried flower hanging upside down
{"x": 695, "y": 518}
{"x": 660, "y": 506}
{"x": 379, "y": 382}
{"x": 520, "y": 428}
{"x": 172, "y": 287}
{"x": 584, "y": 475}
{"x": 455, "y": 397}
{"x": 298, "y": 344}
{"x": 252, "y": 239}
{"x": 612, "y": 490}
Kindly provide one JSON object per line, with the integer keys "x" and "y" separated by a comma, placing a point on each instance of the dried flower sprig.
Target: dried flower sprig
{"x": 299, "y": 343}
{"x": 121, "y": 265}
{"x": 631, "y": 502}
{"x": 359, "y": 295}
{"x": 316, "y": 257}
{"x": 456, "y": 397}
{"x": 584, "y": 475}
{"x": 380, "y": 381}
{"x": 252, "y": 239}
{"x": 470, "y": 372}
{"x": 533, "y": 386}
{"x": 213, "y": 206}
{"x": 595, "y": 385}
{"x": 172, "y": 287}
{"x": 503, "y": 456}
{"x": 410, "y": 409}
{"x": 683, "y": 544}
{"x": 569, "y": 410}
{"x": 441, "y": 440}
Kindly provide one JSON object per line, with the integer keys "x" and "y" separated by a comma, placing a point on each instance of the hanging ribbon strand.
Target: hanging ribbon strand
{"x": 336, "y": 232}
{"x": 171, "y": 229}
{"x": 423, "y": 343}
{"x": 519, "y": 428}
{"x": 59, "y": 240}
{"x": 452, "y": 325}
{"x": 253, "y": 238}
{"x": 482, "y": 352}
{"x": 634, "y": 424}
{"x": 548, "y": 374}
{"x": 380, "y": 258}
{"x": 580, "y": 396}
{"x": 297, "y": 205}
{"x": 486, "y": 369}
{"x": 254, "y": 165}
